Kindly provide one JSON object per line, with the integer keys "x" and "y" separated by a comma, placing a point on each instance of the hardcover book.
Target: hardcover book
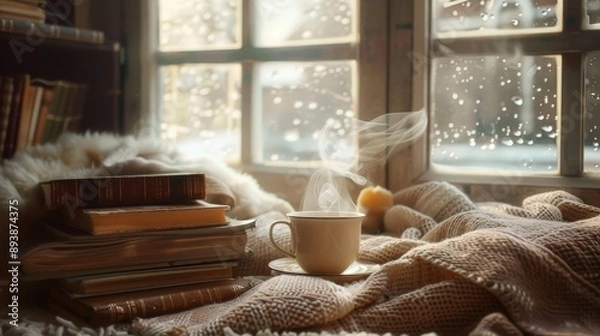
{"x": 112, "y": 220}
{"x": 120, "y": 282}
{"x": 135, "y": 251}
{"x": 14, "y": 117}
{"x": 6, "y": 96}
{"x": 110, "y": 309}
{"x": 61, "y": 231}
{"x": 122, "y": 190}
{"x": 51, "y": 31}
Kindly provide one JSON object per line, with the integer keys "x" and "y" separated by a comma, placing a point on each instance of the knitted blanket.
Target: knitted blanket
{"x": 449, "y": 266}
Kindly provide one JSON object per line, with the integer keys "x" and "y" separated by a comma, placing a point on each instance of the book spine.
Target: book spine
{"x": 6, "y": 102}
{"x": 47, "y": 97}
{"x": 10, "y": 142}
{"x": 126, "y": 191}
{"x": 168, "y": 303}
{"x": 39, "y": 30}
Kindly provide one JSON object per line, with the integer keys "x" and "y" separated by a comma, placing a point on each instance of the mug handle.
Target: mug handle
{"x": 273, "y": 225}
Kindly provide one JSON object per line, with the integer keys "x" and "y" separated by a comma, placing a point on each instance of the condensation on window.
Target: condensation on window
{"x": 199, "y": 24}
{"x": 200, "y": 109}
{"x": 455, "y": 18}
{"x": 591, "y": 113}
{"x": 495, "y": 112}
{"x": 296, "y": 100}
{"x": 293, "y": 22}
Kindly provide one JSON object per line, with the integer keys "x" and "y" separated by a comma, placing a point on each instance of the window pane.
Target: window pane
{"x": 293, "y": 22}
{"x": 495, "y": 112}
{"x": 201, "y": 108}
{"x": 592, "y": 113}
{"x": 593, "y": 14}
{"x": 296, "y": 101}
{"x": 455, "y": 18}
{"x": 199, "y": 24}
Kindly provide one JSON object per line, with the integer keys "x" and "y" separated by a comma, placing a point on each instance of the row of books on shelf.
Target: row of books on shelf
{"x": 110, "y": 263}
{"x": 20, "y": 26}
{"x": 29, "y": 10}
{"x": 35, "y": 110}
{"x": 45, "y": 19}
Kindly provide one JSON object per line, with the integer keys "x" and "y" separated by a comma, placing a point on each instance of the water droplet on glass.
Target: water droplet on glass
{"x": 507, "y": 142}
{"x": 485, "y": 16}
{"x": 514, "y": 22}
{"x": 547, "y": 128}
{"x": 517, "y": 100}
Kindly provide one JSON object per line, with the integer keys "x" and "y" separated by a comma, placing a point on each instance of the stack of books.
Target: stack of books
{"x": 122, "y": 247}
{"x": 35, "y": 111}
{"x": 29, "y": 10}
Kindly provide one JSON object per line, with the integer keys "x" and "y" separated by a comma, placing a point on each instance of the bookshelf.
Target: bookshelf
{"x": 95, "y": 64}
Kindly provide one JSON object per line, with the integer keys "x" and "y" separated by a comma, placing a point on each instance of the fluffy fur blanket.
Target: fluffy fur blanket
{"x": 100, "y": 154}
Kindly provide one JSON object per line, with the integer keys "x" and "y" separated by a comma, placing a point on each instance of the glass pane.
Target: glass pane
{"x": 495, "y": 112}
{"x": 201, "y": 108}
{"x": 199, "y": 24}
{"x": 296, "y": 101}
{"x": 592, "y": 113}
{"x": 293, "y": 22}
{"x": 592, "y": 14}
{"x": 455, "y": 18}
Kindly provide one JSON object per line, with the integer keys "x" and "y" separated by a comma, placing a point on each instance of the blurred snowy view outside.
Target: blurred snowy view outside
{"x": 201, "y": 103}
{"x": 501, "y": 112}
{"x": 493, "y": 17}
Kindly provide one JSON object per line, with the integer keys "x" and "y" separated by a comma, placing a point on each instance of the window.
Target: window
{"x": 513, "y": 92}
{"x": 255, "y": 80}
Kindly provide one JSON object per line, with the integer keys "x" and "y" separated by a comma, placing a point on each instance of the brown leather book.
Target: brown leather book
{"x": 152, "y": 249}
{"x": 110, "y": 309}
{"x": 128, "y": 281}
{"x": 122, "y": 190}
{"x": 112, "y": 220}
{"x": 14, "y": 119}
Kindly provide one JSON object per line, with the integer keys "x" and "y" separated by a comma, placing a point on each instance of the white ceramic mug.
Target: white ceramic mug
{"x": 323, "y": 242}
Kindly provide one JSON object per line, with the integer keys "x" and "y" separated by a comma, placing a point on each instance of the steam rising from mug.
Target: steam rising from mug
{"x": 376, "y": 139}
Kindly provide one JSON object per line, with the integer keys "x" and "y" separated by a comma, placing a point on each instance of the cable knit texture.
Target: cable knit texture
{"x": 452, "y": 267}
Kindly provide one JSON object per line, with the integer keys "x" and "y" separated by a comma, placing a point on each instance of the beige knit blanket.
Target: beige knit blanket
{"x": 455, "y": 268}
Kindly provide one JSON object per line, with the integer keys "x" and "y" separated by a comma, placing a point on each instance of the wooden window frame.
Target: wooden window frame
{"x": 571, "y": 43}
{"x": 371, "y": 53}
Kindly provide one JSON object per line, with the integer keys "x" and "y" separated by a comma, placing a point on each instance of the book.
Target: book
{"x": 147, "y": 217}
{"x": 135, "y": 251}
{"x": 22, "y": 10}
{"x": 119, "y": 308}
{"x": 72, "y": 121}
{"x": 49, "y": 89}
{"x": 122, "y": 190}
{"x": 6, "y": 95}
{"x": 56, "y": 110}
{"x": 120, "y": 282}
{"x": 35, "y": 112}
{"x": 29, "y": 95}
{"x": 61, "y": 231}
{"x": 14, "y": 118}
{"x": 51, "y": 31}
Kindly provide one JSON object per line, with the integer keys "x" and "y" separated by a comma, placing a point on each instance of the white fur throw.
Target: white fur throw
{"x": 101, "y": 154}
